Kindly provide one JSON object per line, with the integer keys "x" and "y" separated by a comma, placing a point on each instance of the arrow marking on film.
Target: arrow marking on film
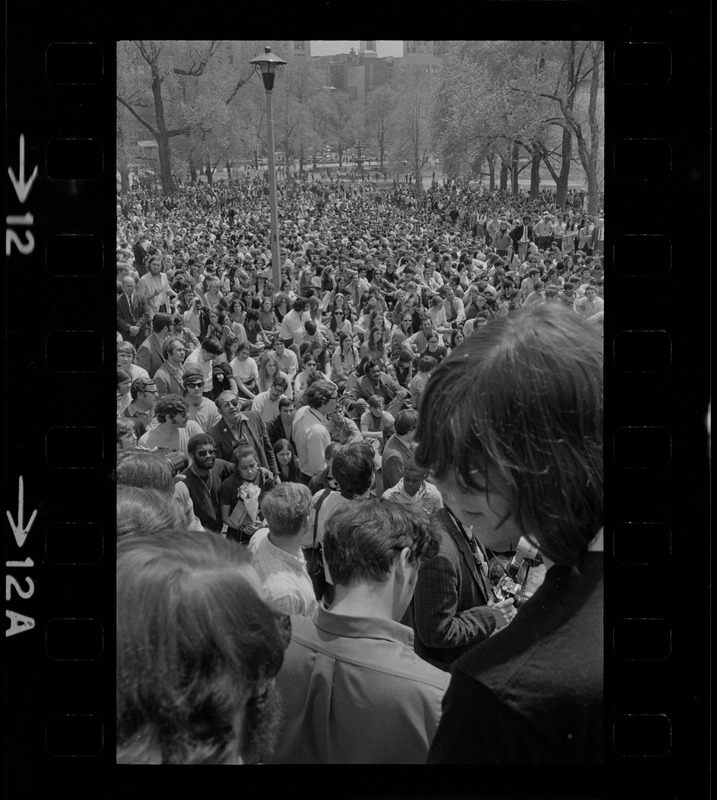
{"x": 22, "y": 189}
{"x": 20, "y": 530}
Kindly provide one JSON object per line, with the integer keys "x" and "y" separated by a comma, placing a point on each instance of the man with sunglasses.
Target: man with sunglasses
{"x": 238, "y": 427}
{"x": 203, "y": 478}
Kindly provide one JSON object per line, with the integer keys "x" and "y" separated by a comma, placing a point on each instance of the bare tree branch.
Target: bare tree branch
{"x": 134, "y": 113}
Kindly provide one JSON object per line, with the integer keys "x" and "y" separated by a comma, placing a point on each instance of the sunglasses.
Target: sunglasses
{"x": 205, "y": 452}
{"x": 234, "y": 403}
{"x": 194, "y": 385}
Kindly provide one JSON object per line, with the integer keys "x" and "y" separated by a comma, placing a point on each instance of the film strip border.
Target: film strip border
{"x": 60, "y": 426}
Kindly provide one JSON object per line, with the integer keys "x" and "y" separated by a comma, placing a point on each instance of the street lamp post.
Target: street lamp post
{"x": 268, "y": 66}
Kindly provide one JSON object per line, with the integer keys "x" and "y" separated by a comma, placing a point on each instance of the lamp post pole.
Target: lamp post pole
{"x": 275, "y": 265}
{"x": 268, "y": 66}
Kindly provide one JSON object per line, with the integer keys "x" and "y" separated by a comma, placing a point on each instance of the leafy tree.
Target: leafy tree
{"x": 411, "y": 123}
{"x": 379, "y": 123}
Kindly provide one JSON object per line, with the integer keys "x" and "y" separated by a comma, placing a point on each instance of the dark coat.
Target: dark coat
{"x": 136, "y": 313}
{"x": 258, "y": 438}
{"x": 449, "y": 611}
{"x": 149, "y": 354}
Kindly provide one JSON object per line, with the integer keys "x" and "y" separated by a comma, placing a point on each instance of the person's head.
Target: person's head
{"x": 524, "y": 459}
{"x": 202, "y": 450}
{"x": 375, "y": 541}
{"x": 162, "y": 324}
{"x": 143, "y": 392}
{"x": 413, "y": 477}
{"x": 372, "y": 370}
{"x": 245, "y": 461}
{"x": 193, "y": 383}
{"x": 197, "y": 651}
{"x": 210, "y": 348}
{"x": 144, "y": 468}
{"x": 231, "y": 343}
{"x": 124, "y": 381}
{"x": 299, "y": 305}
{"x": 128, "y": 285}
{"x": 283, "y": 452}
{"x": 322, "y": 396}
{"x": 243, "y": 351}
{"x": 144, "y": 510}
{"x": 155, "y": 265}
{"x": 278, "y": 386}
{"x": 375, "y": 405}
{"x": 229, "y": 405}
{"x": 126, "y": 353}
{"x": 353, "y": 468}
{"x": 286, "y": 409}
{"x": 126, "y": 433}
{"x": 174, "y": 350}
{"x": 590, "y": 292}
{"x": 406, "y": 422}
{"x": 172, "y": 409}
{"x": 286, "y": 509}
{"x": 427, "y": 363}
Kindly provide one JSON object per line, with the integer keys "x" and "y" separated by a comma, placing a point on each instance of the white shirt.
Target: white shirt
{"x": 311, "y": 436}
{"x": 267, "y": 409}
{"x": 287, "y": 586}
{"x": 195, "y": 360}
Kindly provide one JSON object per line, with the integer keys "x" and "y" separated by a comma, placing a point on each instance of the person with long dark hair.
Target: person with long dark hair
{"x": 522, "y": 463}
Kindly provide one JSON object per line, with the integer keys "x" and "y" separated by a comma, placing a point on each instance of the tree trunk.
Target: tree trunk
{"x": 503, "y": 175}
{"x": 162, "y": 137}
{"x": 491, "y": 171}
{"x": 515, "y": 189}
{"x": 208, "y": 170}
{"x": 535, "y": 175}
{"x": 229, "y": 171}
{"x": 561, "y": 184}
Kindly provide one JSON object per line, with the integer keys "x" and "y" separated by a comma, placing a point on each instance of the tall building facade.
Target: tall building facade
{"x": 358, "y": 74}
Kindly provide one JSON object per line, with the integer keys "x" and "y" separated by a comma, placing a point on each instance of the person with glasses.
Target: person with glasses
{"x": 203, "y": 479}
{"x": 241, "y": 427}
{"x": 201, "y": 409}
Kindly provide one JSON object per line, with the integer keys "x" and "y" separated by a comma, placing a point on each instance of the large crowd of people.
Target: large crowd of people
{"x": 422, "y": 388}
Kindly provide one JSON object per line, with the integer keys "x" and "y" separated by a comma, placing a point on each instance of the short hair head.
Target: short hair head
{"x": 144, "y": 510}
{"x": 362, "y": 542}
{"x": 197, "y": 440}
{"x": 211, "y": 345}
{"x": 169, "y": 406}
{"x": 140, "y": 384}
{"x": 161, "y": 321}
{"x": 406, "y": 421}
{"x": 319, "y": 393}
{"x": 539, "y": 428}
{"x": 353, "y": 468}
{"x": 144, "y": 468}
{"x": 286, "y": 508}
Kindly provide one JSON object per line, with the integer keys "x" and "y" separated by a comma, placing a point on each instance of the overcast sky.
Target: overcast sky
{"x": 332, "y": 48}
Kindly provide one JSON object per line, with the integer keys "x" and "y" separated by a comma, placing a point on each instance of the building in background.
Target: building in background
{"x": 358, "y": 74}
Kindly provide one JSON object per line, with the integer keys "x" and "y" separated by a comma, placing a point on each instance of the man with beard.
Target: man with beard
{"x": 203, "y": 478}
{"x": 203, "y": 692}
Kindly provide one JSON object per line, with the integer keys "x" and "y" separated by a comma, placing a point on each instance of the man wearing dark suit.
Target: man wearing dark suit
{"x": 522, "y": 235}
{"x": 450, "y": 610}
{"x": 150, "y": 355}
{"x": 132, "y": 313}
{"x": 237, "y": 427}
{"x": 140, "y": 251}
